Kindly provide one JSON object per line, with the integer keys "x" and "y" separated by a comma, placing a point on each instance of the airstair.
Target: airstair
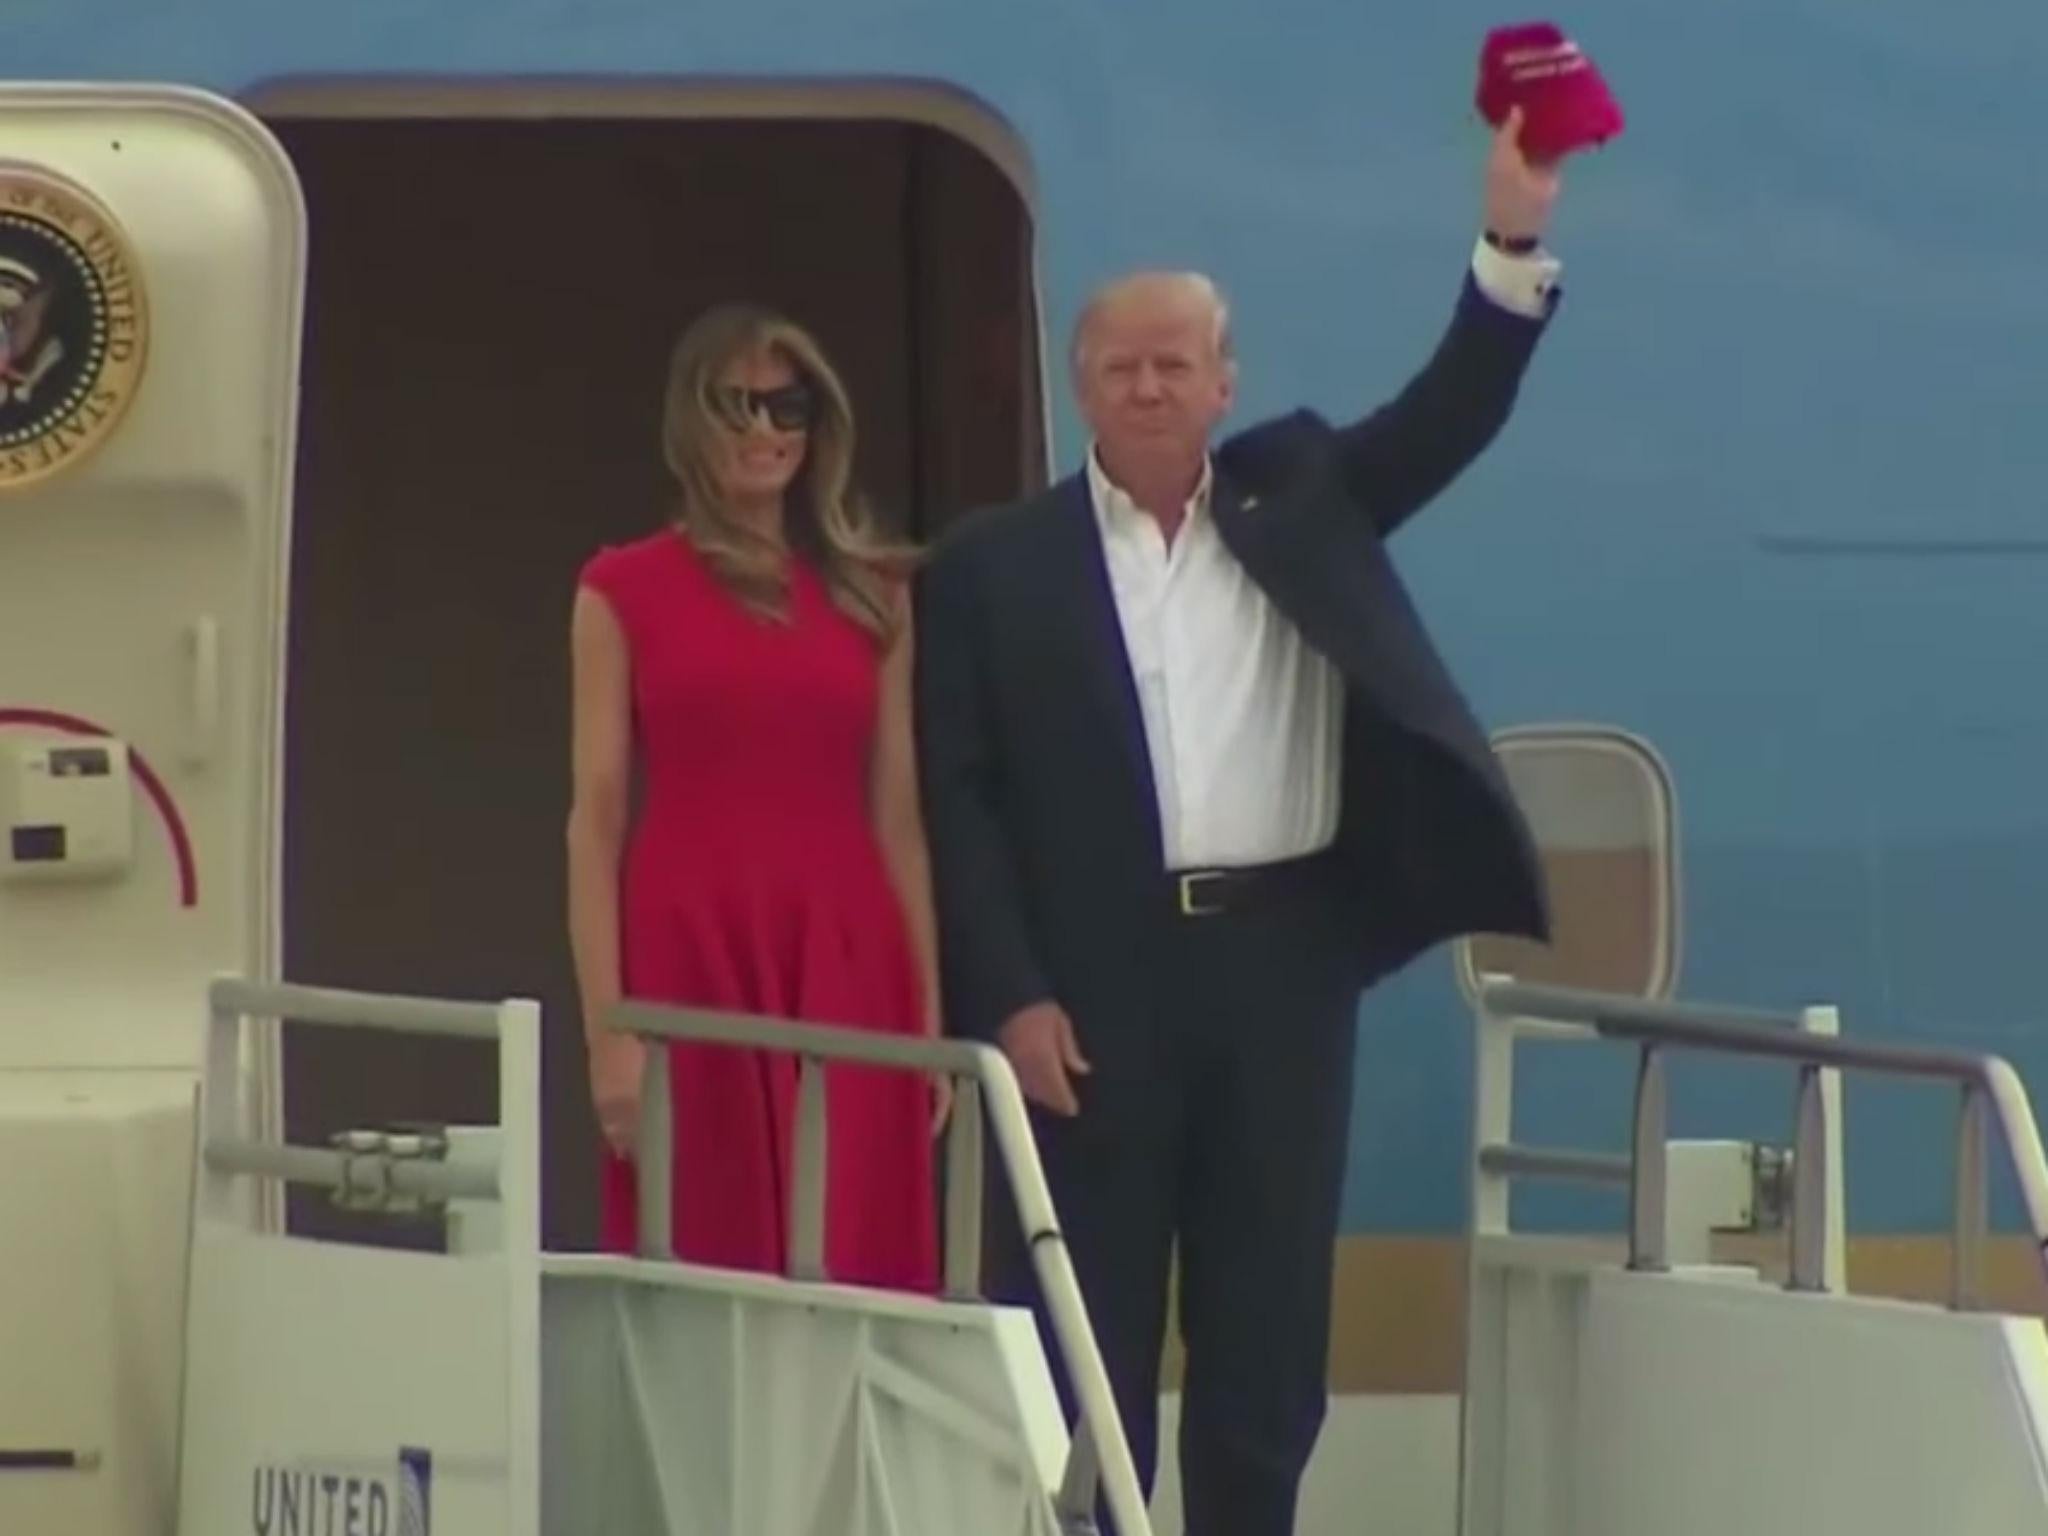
{"x": 496, "y": 1387}
{"x": 332, "y": 1388}
{"x": 1639, "y": 1387}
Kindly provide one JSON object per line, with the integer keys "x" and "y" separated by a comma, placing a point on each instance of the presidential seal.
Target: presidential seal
{"x": 74, "y": 325}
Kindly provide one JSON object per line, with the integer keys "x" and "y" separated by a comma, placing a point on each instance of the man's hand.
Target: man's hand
{"x": 1043, "y": 1049}
{"x": 1519, "y": 194}
{"x": 615, "y": 1066}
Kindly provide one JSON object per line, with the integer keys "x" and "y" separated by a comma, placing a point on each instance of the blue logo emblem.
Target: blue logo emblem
{"x": 415, "y": 1492}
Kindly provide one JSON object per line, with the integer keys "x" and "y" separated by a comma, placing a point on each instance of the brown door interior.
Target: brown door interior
{"x": 489, "y": 313}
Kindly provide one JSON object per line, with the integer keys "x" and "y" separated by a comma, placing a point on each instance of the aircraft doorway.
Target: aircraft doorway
{"x": 490, "y": 308}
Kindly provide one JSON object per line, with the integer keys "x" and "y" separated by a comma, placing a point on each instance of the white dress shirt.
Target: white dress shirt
{"x": 1241, "y": 717}
{"x": 1243, "y": 720}
{"x": 1520, "y": 283}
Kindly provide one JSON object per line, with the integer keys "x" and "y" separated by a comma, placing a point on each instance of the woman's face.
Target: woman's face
{"x": 764, "y": 409}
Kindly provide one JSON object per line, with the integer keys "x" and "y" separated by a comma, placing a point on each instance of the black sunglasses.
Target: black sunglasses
{"x": 789, "y": 408}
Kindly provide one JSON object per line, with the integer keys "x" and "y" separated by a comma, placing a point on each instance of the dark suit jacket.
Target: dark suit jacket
{"x": 1039, "y": 802}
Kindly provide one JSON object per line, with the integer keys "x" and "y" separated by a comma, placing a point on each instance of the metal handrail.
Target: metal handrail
{"x": 371, "y": 1171}
{"x": 353, "y": 1010}
{"x": 370, "y": 1168}
{"x": 1099, "y": 1450}
{"x": 1991, "y": 1090}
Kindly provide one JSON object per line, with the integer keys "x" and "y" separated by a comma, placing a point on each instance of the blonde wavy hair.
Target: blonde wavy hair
{"x": 826, "y": 520}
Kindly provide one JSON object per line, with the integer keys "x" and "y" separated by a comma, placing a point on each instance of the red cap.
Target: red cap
{"x": 1565, "y": 104}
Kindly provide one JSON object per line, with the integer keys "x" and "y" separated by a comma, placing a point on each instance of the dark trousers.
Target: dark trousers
{"x": 1217, "y": 1123}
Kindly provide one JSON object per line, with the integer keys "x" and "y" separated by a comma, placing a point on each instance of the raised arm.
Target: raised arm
{"x": 1400, "y": 457}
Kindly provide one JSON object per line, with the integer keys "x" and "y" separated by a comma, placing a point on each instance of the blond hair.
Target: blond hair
{"x": 826, "y": 520}
{"x": 1198, "y": 286}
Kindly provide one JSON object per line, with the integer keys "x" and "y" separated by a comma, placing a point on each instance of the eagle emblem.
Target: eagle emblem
{"x": 74, "y": 324}
{"x": 26, "y": 353}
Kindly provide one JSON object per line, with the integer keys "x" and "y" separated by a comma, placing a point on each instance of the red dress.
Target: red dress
{"x": 753, "y": 880}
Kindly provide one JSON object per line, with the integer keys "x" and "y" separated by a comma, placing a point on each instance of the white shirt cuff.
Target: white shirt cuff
{"x": 1519, "y": 283}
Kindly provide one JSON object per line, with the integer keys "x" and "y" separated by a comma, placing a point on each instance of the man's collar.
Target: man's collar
{"x": 1113, "y": 503}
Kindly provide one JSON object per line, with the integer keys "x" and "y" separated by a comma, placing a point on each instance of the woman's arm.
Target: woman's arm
{"x": 898, "y": 816}
{"x": 600, "y": 769}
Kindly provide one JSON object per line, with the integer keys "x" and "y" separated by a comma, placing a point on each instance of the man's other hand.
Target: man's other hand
{"x": 1045, "y": 1054}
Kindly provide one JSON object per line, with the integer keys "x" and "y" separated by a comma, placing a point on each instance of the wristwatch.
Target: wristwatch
{"x": 1512, "y": 245}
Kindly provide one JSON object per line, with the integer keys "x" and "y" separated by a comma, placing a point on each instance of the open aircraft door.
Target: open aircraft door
{"x": 152, "y": 252}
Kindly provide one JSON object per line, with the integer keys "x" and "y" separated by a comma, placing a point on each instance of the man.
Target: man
{"x": 1194, "y": 778}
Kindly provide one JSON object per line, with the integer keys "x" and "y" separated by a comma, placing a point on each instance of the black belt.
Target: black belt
{"x": 1216, "y": 892}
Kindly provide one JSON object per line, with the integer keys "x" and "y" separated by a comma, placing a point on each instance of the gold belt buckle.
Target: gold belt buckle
{"x": 1188, "y": 882}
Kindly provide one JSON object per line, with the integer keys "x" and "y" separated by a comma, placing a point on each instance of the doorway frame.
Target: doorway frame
{"x": 933, "y": 104}
{"x": 924, "y": 103}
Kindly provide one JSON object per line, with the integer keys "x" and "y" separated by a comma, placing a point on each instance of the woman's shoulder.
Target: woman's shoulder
{"x": 616, "y": 570}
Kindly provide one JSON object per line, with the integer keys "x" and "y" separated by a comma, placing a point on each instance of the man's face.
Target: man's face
{"x": 1152, "y": 381}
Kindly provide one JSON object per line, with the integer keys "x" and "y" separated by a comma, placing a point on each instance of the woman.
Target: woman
{"x": 755, "y": 657}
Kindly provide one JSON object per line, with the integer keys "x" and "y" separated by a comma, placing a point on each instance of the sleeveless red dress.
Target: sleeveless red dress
{"x": 753, "y": 880}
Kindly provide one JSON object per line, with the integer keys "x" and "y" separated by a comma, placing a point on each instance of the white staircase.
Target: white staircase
{"x": 498, "y": 1389}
